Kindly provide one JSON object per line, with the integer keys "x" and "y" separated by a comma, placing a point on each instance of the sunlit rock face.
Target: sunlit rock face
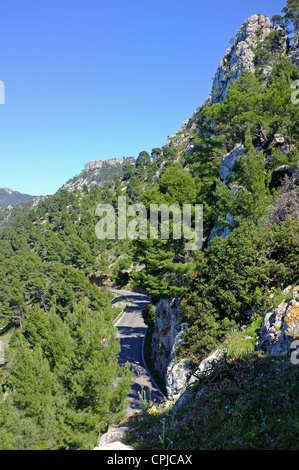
{"x": 241, "y": 55}
{"x": 280, "y": 327}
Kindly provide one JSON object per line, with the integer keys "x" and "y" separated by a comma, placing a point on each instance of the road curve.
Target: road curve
{"x": 131, "y": 331}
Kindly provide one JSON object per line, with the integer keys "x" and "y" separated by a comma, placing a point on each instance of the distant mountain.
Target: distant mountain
{"x": 10, "y": 213}
{"x": 8, "y": 197}
{"x": 99, "y": 172}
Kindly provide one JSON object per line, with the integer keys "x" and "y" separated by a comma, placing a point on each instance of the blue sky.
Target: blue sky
{"x": 88, "y": 79}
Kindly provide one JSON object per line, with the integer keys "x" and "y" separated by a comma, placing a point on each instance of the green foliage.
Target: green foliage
{"x": 205, "y": 329}
{"x": 269, "y": 51}
{"x": 62, "y": 384}
{"x": 277, "y": 20}
{"x": 148, "y": 314}
{"x": 263, "y": 111}
{"x": 170, "y": 153}
{"x": 291, "y": 16}
{"x": 232, "y": 411}
{"x": 253, "y": 200}
{"x": 163, "y": 273}
{"x": 156, "y": 152}
{"x": 143, "y": 159}
{"x": 107, "y": 173}
{"x": 65, "y": 377}
{"x": 233, "y": 280}
{"x": 134, "y": 188}
{"x": 177, "y": 185}
{"x": 62, "y": 381}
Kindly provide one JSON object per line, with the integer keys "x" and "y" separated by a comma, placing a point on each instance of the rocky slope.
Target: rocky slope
{"x": 243, "y": 53}
{"x": 281, "y": 326}
{"x": 278, "y": 334}
{"x": 98, "y": 172}
{"x": 257, "y": 47}
{"x": 10, "y": 213}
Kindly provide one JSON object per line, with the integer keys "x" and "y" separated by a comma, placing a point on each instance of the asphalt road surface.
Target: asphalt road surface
{"x": 131, "y": 332}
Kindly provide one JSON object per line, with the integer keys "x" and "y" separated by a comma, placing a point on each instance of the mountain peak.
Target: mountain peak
{"x": 242, "y": 55}
{"x": 9, "y": 191}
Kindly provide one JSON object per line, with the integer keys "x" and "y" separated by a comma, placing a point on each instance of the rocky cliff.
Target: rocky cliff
{"x": 98, "y": 172}
{"x": 168, "y": 319}
{"x": 167, "y": 338}
{"x": 108, "y": 162}
{"x": 257, "y": 47}
{"x": 245, "y": 53}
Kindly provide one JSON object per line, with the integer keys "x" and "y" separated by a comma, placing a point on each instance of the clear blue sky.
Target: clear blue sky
{"x": 92, "y": 79}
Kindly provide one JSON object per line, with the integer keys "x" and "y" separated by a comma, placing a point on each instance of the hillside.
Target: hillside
{"x": 99, "y": 172}
{"x": 225, "y": 318}
{"x": 9, "y": 214}
{"x": 8, "y": 197}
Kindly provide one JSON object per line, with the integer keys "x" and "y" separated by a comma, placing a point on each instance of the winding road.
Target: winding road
{"x": 131, "y": 332}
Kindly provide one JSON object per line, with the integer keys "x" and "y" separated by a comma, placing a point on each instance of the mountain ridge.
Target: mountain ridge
{"x": 9, "y": 197}
{"x": 98, "y": 172}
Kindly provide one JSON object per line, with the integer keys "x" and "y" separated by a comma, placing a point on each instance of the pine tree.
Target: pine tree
{"x": 253, "y": 200}
{"x": 291, "y": 11}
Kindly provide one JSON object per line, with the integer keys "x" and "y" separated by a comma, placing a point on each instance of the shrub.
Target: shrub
{"x": 148, "y": 314}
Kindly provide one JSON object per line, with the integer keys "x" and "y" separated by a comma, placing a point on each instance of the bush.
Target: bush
{"x": 233, "y": 280}
{"x": 148, "y": 314}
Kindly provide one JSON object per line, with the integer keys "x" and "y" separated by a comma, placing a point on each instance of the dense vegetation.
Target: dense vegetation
{"x": 60, "y": 383}
{"x": 247, "y": 403}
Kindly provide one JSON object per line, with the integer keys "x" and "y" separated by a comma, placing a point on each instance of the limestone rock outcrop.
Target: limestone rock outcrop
{"x": 98, "y": 172}
{"x": 177, "y": 377}
{"x": 206, "y": 366}
{"x": 222, "y": 232}
{"x": 116, "y": 445}
{"x": 109, "y": 161}
{"x": 178, "y": 371}
{"x": 115, "y": 437}
{"x": 241, "y": 55}
{"x": 167, "y": 326}
{"x": 229, "y": 161}
{"x": 167, "y": 337}
{"x": 114, "y": 434}
{"x": 280, "y": 327}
